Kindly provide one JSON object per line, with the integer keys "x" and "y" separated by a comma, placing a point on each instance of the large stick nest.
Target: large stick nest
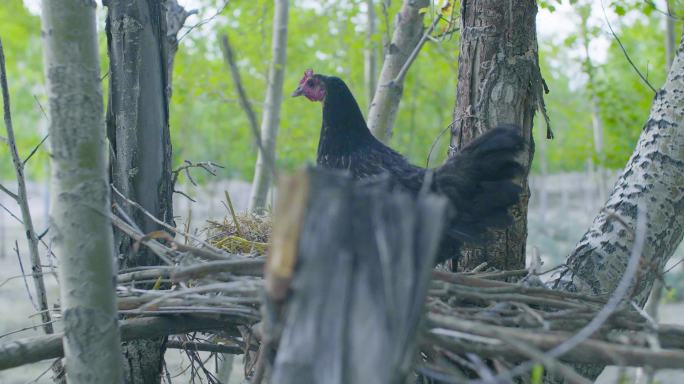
{"x": 476, "y": 324}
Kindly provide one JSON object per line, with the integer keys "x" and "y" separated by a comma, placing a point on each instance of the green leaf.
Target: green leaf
{"x": 570, "y": 40}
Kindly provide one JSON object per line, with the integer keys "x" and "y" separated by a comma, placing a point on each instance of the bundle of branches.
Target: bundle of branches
{"x": 477, "y": 315}
{"x": 475, "y": 324}
{"x": 467, "y": 314}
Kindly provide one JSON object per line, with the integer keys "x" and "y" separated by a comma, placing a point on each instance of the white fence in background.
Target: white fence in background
{"x": 558, "y": 202}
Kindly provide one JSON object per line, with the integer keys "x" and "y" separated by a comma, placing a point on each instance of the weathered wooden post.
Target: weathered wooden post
{"x": 346, "y": 279}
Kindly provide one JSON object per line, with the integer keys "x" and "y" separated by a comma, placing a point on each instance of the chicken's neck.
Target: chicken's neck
{"x": 344, "y": 129}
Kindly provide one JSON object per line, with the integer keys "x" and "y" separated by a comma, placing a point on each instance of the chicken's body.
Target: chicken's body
{"x": 477, "y": 180}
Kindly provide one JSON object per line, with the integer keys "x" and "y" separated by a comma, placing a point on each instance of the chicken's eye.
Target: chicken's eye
{"x": 310, "y": 83}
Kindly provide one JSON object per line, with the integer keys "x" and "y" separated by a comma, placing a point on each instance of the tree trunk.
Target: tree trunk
{"x": 657, "y": 290}
{"x": 138, "y": 130}
{"x": 670, "y": 36}
{"x": 652, "y": 181}
{"x": 407, "y": 35}
{"x": 596, "y": 121}
{"x": 370, "y": 56}
{"x": 498, "y": 82}
{"x": 270, "y": 119}
{"x": 364, "y": 253}
{"x": 82, "y": 235}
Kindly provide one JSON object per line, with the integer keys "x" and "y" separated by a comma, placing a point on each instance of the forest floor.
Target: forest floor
{"x": 554, "y": 227}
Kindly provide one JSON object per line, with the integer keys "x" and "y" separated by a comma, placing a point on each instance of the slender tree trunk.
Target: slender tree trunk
{"x": 670, "y": 36}
{"x": 79, "y": 220}
{"x": 138, "y": 129}
{"x": 407, "y": 35}
{"x": 370, "y": 52}
{"x": 270, "y": 119}
{"x": 652, "y": 181}
{"x": 498, "y": 82}
{"x": 543, "y": 185}
{"x": 596, "y": 121}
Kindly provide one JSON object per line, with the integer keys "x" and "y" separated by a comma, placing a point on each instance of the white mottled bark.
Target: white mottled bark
{"x": 407, "y": 34}
{"x": 657, "y": 290}
{"x": 652, "y": 180}
{"x": 80, "y": 200}
{"x": 270, "y": 119}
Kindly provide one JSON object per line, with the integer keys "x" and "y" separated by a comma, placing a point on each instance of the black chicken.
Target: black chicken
{"x": 477, "y": 180}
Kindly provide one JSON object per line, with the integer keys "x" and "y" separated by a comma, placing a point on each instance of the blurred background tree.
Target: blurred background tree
{"x": 207, "y": 122}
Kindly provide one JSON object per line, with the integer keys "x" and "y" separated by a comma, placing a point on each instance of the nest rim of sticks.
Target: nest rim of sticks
{"x": 466, "y": 313}
{"x": 501, "y": 321}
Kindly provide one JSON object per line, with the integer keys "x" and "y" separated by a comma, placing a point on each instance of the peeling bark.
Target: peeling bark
{"x": 82, "y": 235}
{"x": 138, "y": 130}
{"x": 270, "y": 119}
{"x": 498, "y": 82}
{"x": 407, "y": 33}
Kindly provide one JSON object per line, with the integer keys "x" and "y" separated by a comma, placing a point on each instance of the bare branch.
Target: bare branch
{"x": 10, "y": 193}
{"x": 22, "y": 201}
{"x": 31, "y": 350}
{"x": 203, "y": 21}
{"x": 229, "y": 58}
{"x": 624, "y": 51}
{"x": 165, "y": 225}
{"x": 245, "y": 103}
{"x": 206, "y": 347}
{"x": 602, "y": 316}
{"x": 206, "y": 165}
{"x": 15, "y": 217}
{"x": 404, "y": 69}
{"x": 23, "y": 273}
{"x": 33, "y": 151}
{"x": 232, "y": 213}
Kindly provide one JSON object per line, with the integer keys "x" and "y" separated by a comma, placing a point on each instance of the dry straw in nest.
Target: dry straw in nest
{"x": 243, "y": 233}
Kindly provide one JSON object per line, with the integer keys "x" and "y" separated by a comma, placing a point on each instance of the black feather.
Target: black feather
{"x": 478, "y": 180}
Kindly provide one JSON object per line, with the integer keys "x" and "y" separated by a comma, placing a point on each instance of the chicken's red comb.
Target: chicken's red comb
{"x": 307, "y": 75}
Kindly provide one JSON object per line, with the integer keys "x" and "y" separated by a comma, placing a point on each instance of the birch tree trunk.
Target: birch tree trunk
{"x": 670, "y": 36}
{"x": 407, "y": 34}
{"x": 370, "y": 53}
{"x": 270, "y": 119}
{"x": 498, "y": 82}
{"x": 652, "y": 181}
{"x": 138, "y": 130}
{"x": 657, "y": 290}
{"x": 80, "y": 201}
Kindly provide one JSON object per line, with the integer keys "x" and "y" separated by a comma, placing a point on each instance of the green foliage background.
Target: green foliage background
{"x": 207, "y": 122}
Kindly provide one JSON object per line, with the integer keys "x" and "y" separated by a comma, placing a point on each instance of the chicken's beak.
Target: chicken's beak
{"x": 298, "y": 92}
